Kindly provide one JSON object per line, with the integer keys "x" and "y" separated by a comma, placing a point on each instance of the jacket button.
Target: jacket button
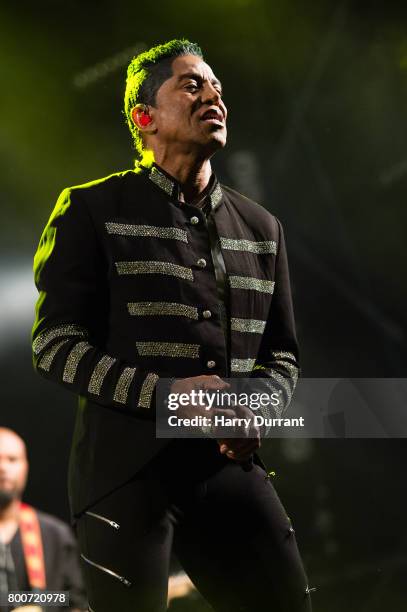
{"x": 211, "y": 364}
{"x": 194, "y": 220}
{"x": 206, "y": 314}
{"x": 201, "y": 262}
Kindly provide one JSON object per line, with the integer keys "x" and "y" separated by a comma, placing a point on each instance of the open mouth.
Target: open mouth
{"x": 212, "y": 116}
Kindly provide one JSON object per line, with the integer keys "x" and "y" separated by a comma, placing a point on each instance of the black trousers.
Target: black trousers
{"x": 225, "y": 524}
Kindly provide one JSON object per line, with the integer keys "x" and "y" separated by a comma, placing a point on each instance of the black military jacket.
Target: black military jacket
{"x": 129, "y": 294}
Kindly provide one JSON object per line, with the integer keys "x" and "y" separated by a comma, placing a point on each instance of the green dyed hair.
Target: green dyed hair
{"x": 145, "y": 75}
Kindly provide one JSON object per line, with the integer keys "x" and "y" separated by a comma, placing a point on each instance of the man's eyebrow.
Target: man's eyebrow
{"x": 195, "y": 75}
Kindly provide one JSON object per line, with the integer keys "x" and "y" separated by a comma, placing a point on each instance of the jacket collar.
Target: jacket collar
{"x": 172, "y": 187}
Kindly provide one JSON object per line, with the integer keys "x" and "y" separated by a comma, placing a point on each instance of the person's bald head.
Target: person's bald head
{"x": 13, "y": 466}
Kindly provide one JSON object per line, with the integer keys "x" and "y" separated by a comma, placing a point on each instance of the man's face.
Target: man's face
{"x": 13, "y": 466}
{"x": 183, "y": 103}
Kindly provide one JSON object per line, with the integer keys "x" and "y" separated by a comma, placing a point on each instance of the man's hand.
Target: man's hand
{"x": 247, "y": 440}
{"x": 204, "y": 382}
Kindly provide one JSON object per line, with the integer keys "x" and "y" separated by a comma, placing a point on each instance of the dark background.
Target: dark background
{"x": 316, "y": 93}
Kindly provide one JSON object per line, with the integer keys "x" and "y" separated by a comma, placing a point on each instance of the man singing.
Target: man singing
{"x": 162, "y": 272}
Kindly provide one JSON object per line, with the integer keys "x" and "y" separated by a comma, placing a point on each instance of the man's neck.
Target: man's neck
{"x": 10, "y": 512}
{"x": 193, "y": 175}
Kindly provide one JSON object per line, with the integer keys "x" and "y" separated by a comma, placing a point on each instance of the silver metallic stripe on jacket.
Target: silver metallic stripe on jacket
{"x": 254, "y": 326}
{"x": 267, "y": 411}
{"x": 99, "y": 374}
{"x": 285, "y": 382}
{"x": 260, "y": 247}
{"x": 242, "y": 365}
{"x": 162, "y": 308}
{"x": 123, "y": 385}
{"x": 282, "y": 376}
{"x": 46, "y": 360}
{"x": 285, "y": 360}
{"x": 73, "y": 359}
{"x": 123, "y": 229}
{"x": 161, "y": 180}
{"x": 216, "y": 196}
{"x": 168, "y": 349}
{"x": 292, "y": 370}
{"x": 147, "y": 389}
{"x": 154, "y": 267}
{"x": 49, "y": 335}
{"x": 249, "y": 282}
{"x": 283, "y": 355}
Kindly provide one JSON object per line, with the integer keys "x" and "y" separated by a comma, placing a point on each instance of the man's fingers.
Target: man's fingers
{"x": 213, "y": 382}
{"x": 240, "y": 456}
{"x": 239, "y": 450}
{"x": 241, "y": 443}
{"x": 203, "y": 382}
{"x": 244, "y": 449}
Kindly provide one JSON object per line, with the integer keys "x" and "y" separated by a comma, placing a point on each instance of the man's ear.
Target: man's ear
{"x": 141, "y": 117}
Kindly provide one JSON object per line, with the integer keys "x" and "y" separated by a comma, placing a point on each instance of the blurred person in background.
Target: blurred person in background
{"x": 37, "y": 551}
{"x": 162, "y": 272}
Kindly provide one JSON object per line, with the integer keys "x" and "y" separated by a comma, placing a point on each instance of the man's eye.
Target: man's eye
{"x": 191, "y": 86}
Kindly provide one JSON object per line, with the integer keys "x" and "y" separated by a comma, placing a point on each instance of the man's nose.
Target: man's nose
{"x": 210, "y": 93}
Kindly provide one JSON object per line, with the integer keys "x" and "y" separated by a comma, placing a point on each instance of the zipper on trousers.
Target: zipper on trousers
{"x": 108, "y": 571}
{"x": 103, "y": 518}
